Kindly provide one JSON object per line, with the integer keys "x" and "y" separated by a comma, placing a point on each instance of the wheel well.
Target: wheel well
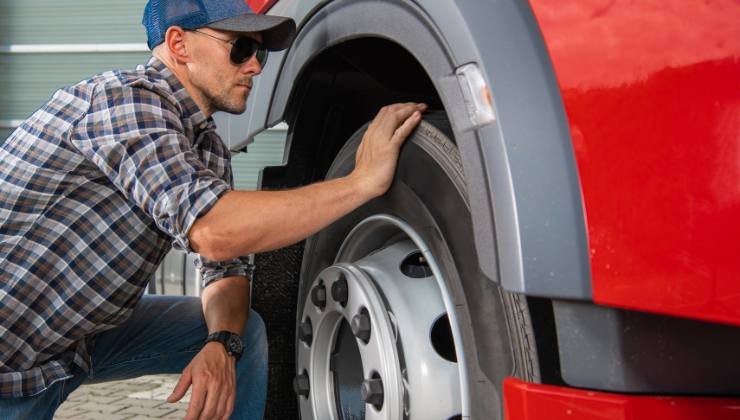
{"x": 342, "y": 88}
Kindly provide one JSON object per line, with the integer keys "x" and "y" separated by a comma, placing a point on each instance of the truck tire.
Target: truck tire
{"x": 394, "y": 318}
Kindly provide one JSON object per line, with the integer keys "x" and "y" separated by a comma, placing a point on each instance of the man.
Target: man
{"x": 97, "y": 184}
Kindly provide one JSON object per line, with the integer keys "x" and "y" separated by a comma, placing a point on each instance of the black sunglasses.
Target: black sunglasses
{"x": 242, "y": 49}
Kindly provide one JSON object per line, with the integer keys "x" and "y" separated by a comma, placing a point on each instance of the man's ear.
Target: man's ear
{"x": 174, "y": 40}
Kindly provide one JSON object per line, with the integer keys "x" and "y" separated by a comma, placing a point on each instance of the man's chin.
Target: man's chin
{"x": 235, "y": 109}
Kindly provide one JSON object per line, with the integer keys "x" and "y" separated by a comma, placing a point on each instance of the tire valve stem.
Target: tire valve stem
{"x": 339, "y": 291}
{"x": 416, "y": 266}
{"x": 305, "y": 332}
{"x": 318, "y": 296}
{"x": 372, "y": 391}
{"x": 361, "y": 325}
{"x": 301, "y": 384}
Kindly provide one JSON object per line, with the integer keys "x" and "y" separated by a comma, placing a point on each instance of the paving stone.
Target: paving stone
{"x": 98, "y": 416}
{"x": 161, "y": 393}
{"x": 139, "y": 402}
{"x": 101, "y": 399}
{"x": 101, "y": 390}
{"x": 177, "y": 414}
{"x": 76, "y": 397}
{"x": 142, "y": 398}
{"x": 66, "y": 412}
{"x": 73, "y": 404}
{"x": 149, "y": 379}
{"x": 135, "y": 387}
{"x": 149, "y": 412}
{"x": 96, "y": 407}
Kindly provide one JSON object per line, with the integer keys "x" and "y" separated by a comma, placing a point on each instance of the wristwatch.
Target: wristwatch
{"x": 231, "y": 341}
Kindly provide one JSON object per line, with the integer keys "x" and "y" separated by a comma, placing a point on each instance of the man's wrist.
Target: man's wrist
{"x": 230, "y": 341}
{"x": 218, "y": 347}
{"x": 362, "y": 186}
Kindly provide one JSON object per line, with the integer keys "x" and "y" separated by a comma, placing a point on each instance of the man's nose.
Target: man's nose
{"x": 252, "y": 66}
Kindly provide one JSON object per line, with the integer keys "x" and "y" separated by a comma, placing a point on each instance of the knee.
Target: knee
{"x": 255, "y": 336}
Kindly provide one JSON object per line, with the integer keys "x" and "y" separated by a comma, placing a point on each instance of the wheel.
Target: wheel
{"x": 394, "y": 319}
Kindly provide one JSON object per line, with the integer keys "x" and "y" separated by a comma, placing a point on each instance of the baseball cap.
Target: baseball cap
{"x": 228, "y": 15}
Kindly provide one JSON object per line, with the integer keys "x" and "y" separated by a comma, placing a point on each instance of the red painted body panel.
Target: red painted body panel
{"x": 652, "y": 93}
{"x": 260, "y": 6}
{"x": 529, "y": 401}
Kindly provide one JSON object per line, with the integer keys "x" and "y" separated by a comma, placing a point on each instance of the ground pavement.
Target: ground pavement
{"x": 141, "y": 398}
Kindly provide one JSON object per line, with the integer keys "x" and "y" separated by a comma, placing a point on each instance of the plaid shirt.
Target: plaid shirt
{"x": 95, "y": 186}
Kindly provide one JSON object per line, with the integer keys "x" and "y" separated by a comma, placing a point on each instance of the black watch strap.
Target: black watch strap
{"x": 232, "y": 342}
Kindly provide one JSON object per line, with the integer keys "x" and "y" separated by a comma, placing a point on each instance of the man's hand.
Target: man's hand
{"x": 212, "y": 373}
{"x": 377, "y": 156}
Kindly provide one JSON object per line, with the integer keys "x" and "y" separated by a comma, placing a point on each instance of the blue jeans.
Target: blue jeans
{"x": 163, "y": 334}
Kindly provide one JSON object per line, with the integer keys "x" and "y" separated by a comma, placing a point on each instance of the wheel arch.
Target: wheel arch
{"x": 524, "y": 159}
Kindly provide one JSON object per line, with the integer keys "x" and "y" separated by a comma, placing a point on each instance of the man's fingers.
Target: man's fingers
{"x": 377, "y": 156}
{"x": 223, "y": 398}
{"x": 181, "y": 388}
{"x": 230, "y": 405}
{"x": 220, "y": 398}
{"x": 211, "y": 407}
{"x": 402, "y": 113}
{"x": 398, "y": 113}
{"x": 406, "y": 128}
{"x": 403, "y": 105}
{"x": 197, "y": 399}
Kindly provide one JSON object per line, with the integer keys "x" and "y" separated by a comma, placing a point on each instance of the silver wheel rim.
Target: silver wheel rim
{"x": 395, "y": 343}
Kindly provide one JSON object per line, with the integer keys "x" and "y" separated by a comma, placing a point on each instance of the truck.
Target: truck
{"x": 560, "y": 240}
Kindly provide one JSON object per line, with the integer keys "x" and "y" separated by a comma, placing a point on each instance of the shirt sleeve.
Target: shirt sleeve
{"x": 135, "y": 138}
{"x": 211, "y": 270}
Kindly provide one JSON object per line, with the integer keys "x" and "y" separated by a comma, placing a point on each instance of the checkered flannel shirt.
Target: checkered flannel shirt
{"x": 95, "y": 188}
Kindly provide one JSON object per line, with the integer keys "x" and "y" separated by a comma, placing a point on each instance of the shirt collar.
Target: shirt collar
{"x": 191, "y": 110}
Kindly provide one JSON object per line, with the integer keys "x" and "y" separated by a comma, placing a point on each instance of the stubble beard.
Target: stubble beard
{"x": 222, "y": 101}
{"x": 221, "y": 98}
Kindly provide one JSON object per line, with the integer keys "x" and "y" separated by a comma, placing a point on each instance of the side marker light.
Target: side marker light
{"x": 476, "y": 94}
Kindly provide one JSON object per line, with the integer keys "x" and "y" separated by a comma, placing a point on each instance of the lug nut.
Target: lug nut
{"x": 361, "y": 325}
{"x": 301, "y": 384}
{"x": 372, "y": 392}
{"x": 318, "y": 296}
{"x": 305, "y": 331}
{"x": 339, "y": 291}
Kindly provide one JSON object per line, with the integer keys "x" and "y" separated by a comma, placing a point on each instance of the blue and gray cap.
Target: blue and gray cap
{"x": 228, "y": 15}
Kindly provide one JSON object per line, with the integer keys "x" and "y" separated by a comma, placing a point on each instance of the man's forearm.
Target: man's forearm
{"x": 242, "y": 223}
{"x": 226, "y": 304}
{"x": 246, "y": 222}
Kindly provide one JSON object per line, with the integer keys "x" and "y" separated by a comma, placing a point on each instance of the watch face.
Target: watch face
{"x": 235, "y": 345}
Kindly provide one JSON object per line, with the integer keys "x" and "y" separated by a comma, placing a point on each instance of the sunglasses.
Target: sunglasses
{"x": 242, "y": 49}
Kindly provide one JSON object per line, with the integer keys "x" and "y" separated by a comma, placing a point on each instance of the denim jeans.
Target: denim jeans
{"x": 163, "y": 334}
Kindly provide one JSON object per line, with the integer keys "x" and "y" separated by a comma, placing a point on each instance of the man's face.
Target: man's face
{"x": 221, "y": 83}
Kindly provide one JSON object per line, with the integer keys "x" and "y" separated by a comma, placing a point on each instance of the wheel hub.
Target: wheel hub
{"x": 366, "y": 349}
